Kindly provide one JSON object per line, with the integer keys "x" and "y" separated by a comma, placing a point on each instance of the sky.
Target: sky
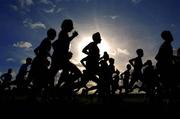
{"x": 124, "y": 25}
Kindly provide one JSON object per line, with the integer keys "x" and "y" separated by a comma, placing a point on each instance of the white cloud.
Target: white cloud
{"x": 114, "y": 17}
{"x": 136, "y": 1}
{"x": 23, "y": 44}
{"x": 37, "y": 25}
{"x": 14, "y": 7}
{"x": 172, "y": 25}
{"x": 13, "y": 75}
{"x": 23, "y": 6}
{"x": 53, "y": 10}
{"x": 50, "y": 6}
{"x": 59, "y": 10}
{"x": 29, "y": 2}
{"x": 25, "y": 3}
{"x": 49, "y": 10}
{"x": 46, "y": 1}
{"x": 120, "y": 51}
{"x": 10, "y": 59}
{"x": 23, "y": 61}
{"x": 123, "y": 51}
{"x": 33, "y": 25}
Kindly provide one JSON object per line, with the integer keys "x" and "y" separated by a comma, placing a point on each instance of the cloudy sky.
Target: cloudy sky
{"x": 125, "y": 25}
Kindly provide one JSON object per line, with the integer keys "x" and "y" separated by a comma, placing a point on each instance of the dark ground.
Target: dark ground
{"x": 126, "y": 106}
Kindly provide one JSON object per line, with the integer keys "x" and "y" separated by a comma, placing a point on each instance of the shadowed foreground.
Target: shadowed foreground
{"x": 131, "y": 105}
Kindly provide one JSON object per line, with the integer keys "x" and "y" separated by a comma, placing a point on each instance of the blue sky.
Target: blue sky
{"x": 125, "y": 25}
